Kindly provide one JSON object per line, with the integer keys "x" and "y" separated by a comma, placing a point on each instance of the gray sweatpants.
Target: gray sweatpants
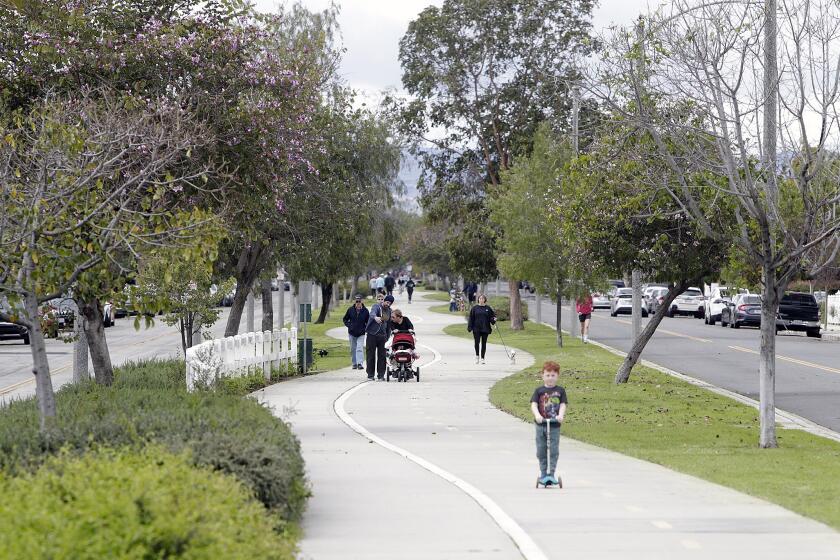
{"x": 540, "y": 438}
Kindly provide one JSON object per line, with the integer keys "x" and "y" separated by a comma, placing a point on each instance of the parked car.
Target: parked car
{"x": 799, "y": 311}
{"x": 743, "y": 310}
{"x": 616, "y": 283}
{"x": 12, "y": 330}
{"x": 623, "y": 303}
{"x": 690, "y": 302}
{"x": 648, "y": 289}
{"x": 715, "y": 303}
{"x": 656, "y": 298}
{"x": 601, "y": 300}
{"x": 287, "y": 286}
{"x": 64, "y": 310}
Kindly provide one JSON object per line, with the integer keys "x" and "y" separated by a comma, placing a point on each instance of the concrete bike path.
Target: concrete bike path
{"x": 370, "y": 502}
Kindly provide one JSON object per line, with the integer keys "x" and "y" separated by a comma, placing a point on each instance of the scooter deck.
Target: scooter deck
{"x": 550, "y": 484}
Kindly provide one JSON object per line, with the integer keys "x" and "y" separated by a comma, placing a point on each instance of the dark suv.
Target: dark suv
{"x": 11, "y": 330}
{"x": 799, "y": 311}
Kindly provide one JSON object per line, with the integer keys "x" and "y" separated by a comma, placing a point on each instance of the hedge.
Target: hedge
{"x": 148, "y": 404}
{"x": 133, "y": 504}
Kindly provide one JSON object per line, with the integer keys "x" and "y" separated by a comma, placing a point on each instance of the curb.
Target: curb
{"x": 785, "y": 419}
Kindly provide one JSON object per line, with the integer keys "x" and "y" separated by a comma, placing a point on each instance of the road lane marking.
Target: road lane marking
{"x": 672, "y": 333}
{"x": 634, "y": 509}
{"x": 789, "y": 359}
{"x": 691, "y": 545}
{"x": 607, "y": 494}
{"x": 661, "y": 524}
{"x": 523, "y": 541}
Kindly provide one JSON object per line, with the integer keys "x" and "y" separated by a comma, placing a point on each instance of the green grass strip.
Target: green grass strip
{"x": 667, "y": 421}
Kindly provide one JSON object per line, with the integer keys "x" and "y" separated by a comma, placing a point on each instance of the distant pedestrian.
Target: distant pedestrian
{"x": 380, "y": 284}
{"x": 480, "y": 324}
{"x": 548, "y": 405}
{"x": 356, "y": 320}
{"x": 372, "y": 285}
{"x": 471, "y": 289}
{"x": 389, "y": 284}
{"x": 378, "y": 331}
{"x": 453, "y": 300}
{"x": 584, "y": 308}
{"x": 409, "y": 287}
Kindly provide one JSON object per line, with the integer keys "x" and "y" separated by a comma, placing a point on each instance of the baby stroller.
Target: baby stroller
{"x": 401, "y": 358}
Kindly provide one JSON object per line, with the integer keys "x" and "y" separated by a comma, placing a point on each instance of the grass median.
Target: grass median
{"x": 666, "y": 421}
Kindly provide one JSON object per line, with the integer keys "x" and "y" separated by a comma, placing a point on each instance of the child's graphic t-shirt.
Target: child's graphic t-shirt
{"x": 549, "y": 399}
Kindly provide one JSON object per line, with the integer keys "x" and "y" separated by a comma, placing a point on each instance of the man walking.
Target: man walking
{"x": 409, "y": 287}
{"x": 356, "y": 320}
{"x": 389, "y": 284}
{"x": 378, "y": 331}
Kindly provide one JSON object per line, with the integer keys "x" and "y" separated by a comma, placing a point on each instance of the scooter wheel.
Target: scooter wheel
{"x": 417, "y": 374}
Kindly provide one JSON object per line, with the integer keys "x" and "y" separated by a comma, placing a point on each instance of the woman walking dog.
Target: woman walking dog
{"x": 480, "y": 324}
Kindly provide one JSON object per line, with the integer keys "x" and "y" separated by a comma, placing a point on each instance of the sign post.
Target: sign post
{"x": 305, "y": 316}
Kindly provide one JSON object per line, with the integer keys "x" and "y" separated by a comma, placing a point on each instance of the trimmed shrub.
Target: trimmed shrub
{"x": 133, "y": 504}
{"x": 148, "y": 403}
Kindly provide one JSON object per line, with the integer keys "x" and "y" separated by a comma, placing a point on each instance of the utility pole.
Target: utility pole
{"x": 574, "y": 324}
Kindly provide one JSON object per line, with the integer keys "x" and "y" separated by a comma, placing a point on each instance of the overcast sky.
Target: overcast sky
{"x": 371, "y": 30}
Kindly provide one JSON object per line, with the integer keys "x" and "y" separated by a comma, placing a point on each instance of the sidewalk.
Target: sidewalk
{"x": 371, "y": 503}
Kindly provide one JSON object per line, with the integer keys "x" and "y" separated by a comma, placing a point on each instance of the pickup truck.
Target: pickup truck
{"x": 799, "y": 312}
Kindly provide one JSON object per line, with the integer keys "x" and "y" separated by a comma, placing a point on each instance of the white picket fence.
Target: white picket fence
{"x": 241, "y": 354}
{"x": 832, "y": 308}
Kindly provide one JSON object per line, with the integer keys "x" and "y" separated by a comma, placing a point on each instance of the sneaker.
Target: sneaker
{"x": 482, "y": 361}
{"x": 370, "y": 378}
{"x": 476, "y": 359}
{"x": 552, "y": 480}
{"x": 544, "y": 479}
{"x": 585, "y": 339}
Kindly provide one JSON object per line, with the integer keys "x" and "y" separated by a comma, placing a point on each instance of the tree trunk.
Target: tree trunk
{"x": 195, "y": 330}
{"x": 80, "y": 351}
{"x": 326, "y": 293}
{"x": 236, "y": 308}
{"x": 334, "y": 301}
{"x": 538, "y": 307}
{"x": 354, "y": 288}
{"x": 637, "y": 303}
{"x": 641, "y": 341}
{"x": 248, "y": 268}
{"x": 249, "y": 312}
{"x": 103, "y": 371}
{"x": 267, "y": 305}
{"x": 182, "y": 326}
{"x": 40, "y": 364}
{"x": 767, "y": 358}
{"x": 516, "y": 323}
{"x": 559, "y": 316}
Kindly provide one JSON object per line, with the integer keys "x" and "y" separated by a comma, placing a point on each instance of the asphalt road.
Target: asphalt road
{"x": 807, "y": 369}
{"x": 124, "y": 342}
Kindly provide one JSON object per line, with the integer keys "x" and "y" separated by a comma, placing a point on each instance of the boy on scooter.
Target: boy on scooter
{"x": 548, "y": 404}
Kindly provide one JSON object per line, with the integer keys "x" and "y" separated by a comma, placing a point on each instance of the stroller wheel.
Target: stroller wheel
{"x": 417, "y": 374}
{"x": 388, "y": 376}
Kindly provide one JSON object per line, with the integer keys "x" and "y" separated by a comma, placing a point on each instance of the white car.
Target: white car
{"x": 623, "y": 303}
{"x": 690, "y": 302}
{"x": 600, "y": 301}
{"x": 715, "y": 303}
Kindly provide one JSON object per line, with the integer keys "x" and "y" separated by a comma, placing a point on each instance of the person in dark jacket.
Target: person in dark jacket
{"x": 480, "y": 324}
{"x": 409, "y": 287}
{"x": 389, "y": 284}
{"x": 378, "y": 330}
{"x": 400, "y": 323}
{"x": 356, "y": 320}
